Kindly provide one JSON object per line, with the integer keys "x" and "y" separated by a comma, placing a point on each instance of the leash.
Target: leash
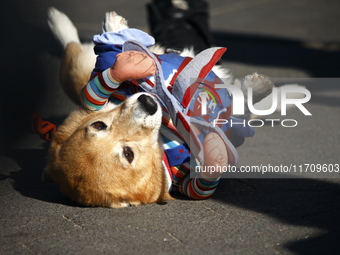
{"x": 44, "y": 128}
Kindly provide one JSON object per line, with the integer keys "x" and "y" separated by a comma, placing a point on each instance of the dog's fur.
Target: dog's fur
{"x": 91, "y": 153}
{"x": 111, "y": 157}
{"x": 90, "y": 156}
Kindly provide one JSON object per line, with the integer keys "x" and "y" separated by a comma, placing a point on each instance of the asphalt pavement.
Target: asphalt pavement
{"x": 293, "y": 41}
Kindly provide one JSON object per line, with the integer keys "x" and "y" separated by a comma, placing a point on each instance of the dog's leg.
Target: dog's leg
{"x": 77, "y": 63}
{"x": 62, "y": 27}
{"x": 78, "y": 59}
{"x": 261, "y": 85}
{"x": 114, "y": 23}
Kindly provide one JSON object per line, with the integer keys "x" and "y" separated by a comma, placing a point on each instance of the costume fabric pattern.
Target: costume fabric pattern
{"x": 101, "y": 88}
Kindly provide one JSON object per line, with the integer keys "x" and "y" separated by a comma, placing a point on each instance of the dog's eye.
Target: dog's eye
{"x": 99, "y": 125}
{"x": 128, "y": 153}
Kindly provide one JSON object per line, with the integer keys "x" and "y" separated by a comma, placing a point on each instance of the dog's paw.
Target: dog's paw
{"x": 262, "y": 86}
{"x": 113, "y": 22}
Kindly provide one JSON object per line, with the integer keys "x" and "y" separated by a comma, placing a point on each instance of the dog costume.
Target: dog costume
{"x": 180, "y": 84}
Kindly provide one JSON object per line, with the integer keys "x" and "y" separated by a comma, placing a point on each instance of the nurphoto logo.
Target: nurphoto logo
{"x": 239, "y": 105}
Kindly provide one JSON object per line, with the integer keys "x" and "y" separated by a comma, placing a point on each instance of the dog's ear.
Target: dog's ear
{"x": 46, "y": 175}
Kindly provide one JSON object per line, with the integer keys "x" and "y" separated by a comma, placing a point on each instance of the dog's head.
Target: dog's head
{"x": 111, "y": 157}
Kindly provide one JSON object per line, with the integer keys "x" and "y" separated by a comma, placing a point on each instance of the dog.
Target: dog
{"x": 111, "y": 157}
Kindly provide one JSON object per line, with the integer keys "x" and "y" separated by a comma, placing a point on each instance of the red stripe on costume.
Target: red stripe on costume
{"x": 207, "y": 68}
{"x": 119, "y": 97}
{"x": 194, "y": 137}
{"x": 184, "y": 122}
{"x": 104, "y": 85}
{"x": 179, "y": 171}
{"x": 179, "y": 69}
{"x": 192, "y": 192}
{"x": 203, "y": 73}
{"x": 203, "y": 188}
{"x": 187, "y": 95}
{"x": 134, "y": 82}
{"x": 94, "y": 75}
{"x": 192, "y": 89}
{"x": 91, "y": 99}
{"x": 171, "y": 127}
{"x": 166, "y": 163}
{"x": 149, "y": 82}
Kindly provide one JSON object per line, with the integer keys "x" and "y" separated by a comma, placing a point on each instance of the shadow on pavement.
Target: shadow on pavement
{"x": 318, "y": 60}
{"x": 23, "y": 84}
{"x": 28, "y": 181}
{"x": 299, "y": 202}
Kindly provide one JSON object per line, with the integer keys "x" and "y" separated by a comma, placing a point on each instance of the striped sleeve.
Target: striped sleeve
{"x": 198, "y": 187}
{"x": 96, "y": 92}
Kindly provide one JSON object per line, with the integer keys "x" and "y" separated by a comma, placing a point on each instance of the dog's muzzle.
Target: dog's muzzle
{"x": 148, "y": 104}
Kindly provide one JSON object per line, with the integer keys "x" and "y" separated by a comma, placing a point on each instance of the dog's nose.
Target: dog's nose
{"x": 148, "y": 104}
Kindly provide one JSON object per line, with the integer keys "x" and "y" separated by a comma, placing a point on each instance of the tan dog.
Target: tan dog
{"x": 112, "y": 157}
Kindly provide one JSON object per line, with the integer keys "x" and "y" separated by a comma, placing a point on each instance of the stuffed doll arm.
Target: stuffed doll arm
{"x": 128, "y": 65}
{"x": 132, "y": 65}
{"x": 106, "y": 76}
